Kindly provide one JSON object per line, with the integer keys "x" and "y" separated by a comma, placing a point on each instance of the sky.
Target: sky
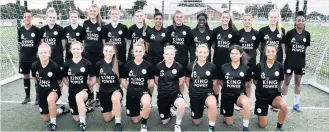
{"x": 321, "y": 6}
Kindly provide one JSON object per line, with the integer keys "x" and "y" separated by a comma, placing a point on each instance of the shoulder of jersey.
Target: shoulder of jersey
{"x": 159, "y": 65}
{"x": 86, "y": 61}
{"x": 68, "y": 62}
{"x": 34, "y": 64}
{"x": 178, "y": 65}
{"x": 279, "y": 63}
{"x": 148, "y": 63}
{"x": 132, "y": 27}
{"x": 100, "y": 62}
{"x": 58, "y": 26}
{"x": 211, "y": 64}
{"x": 122, "y": 25}
{"x": 53, "y": 63}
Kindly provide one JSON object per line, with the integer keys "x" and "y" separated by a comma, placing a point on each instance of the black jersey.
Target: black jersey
{"x": 135, "y": 33}
{"x": 109, "y": 81}
{"x": 248, "y": 41}
{"x": 296, "y": 45}
{"x": 168, "y": 78}
{"x": 201, "y": 78}
{"x": 138, "y": 76}
{"x": 77, "y": 74}
{"x": 28, "y": 42}
{"x": 54, "y": 37}
{"x": 93, "y": 41}
{"x": 72, "y": 35}
{"x": 266, "y": 36}
{"x": 47, "y": 77}
{"x": 234, "y": 79}
{"x": 268, "y": 79}
{"x": 198, "y": 39}
{"x": 181, "y": 38}
{"x": 157, "y": 40}
{"x": 223, "y": 39}
{"x": 117, "y": 36}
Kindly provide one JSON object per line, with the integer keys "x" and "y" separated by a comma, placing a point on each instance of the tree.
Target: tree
{"x": 12, "y": 11}
{"x": 139, "y": 4}
{"x": 264, "y": 10}
{"x": 252, "y": 9}
{"x": 286, "y": 12}
{"x": 59, "y": 6}
{"x": 192, "y": 3}
{"x": 104, "y": 11}
{"x": 120, "y": 7}
{"x": 224, "y": 6}
{"x": 316, "y": 16}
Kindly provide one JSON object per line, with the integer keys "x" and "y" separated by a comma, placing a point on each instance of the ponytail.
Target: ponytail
{"x": 115, "y": 61}
{"x": 278, "y": 23}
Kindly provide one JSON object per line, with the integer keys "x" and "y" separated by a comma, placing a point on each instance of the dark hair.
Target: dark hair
{"x": 244, "y": 59}
{"x": 173, "y": 20}
{"x": 206, "y": 16}
{"x": 300, "y": 13}
{"x": 231, "y": 25}
{"x": 270, "y": 45}
{"x": 157, "y": 13}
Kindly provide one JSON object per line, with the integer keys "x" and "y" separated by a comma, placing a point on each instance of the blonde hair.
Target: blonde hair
{"x": 51, "y": 10}
{"x": 247, "y": 14}
{"x": 144, "y": 20}
{"x": 196, "y": 58}
{"x": 115, "y": 62}
{"x": 73, "y": 11}
{"x": 139, "y": 42}
{"x": 45, "y": 45}
{"x": 278, "y": 24}
{"x": 98, "y": 17}
{"x": 173, "y": 20}
{"x": 76, "y": 42}
{"x": 170, "y": 47}
{"x": 113, "y": 9}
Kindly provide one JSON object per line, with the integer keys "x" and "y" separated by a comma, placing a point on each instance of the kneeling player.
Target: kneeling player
{"x": 75, "y": 76}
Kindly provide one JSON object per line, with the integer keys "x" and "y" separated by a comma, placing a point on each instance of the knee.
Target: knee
{"x": 45, "y": 119}
{"x": 228, "y": 122}
{"x": 135, "y": 120}
{"x": 283, "y": 106}
{"x": 115, "y": 100}
{"x": 262, "y": 125}
{"x": 196, "y": 122}
{"x": 146, "y": 102}
{"x": 78, "y": 98}
{"x": 245, "y": 104}
{"x": 180, "y": 107}
{"x": 107, "y": 119}
{"x": 51, "y": 101}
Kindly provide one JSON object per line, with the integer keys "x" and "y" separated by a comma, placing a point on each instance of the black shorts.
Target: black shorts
{"x": 197, "y": 105}
{"x": 93, "y": 58}
{"x": 73, "y": 102}
{"x": 154, "y": 62}
{"x": 25, "y": 67}
{"x": 298, "y": 71}
{"x": 43, "y": 103}
{"x": 227, "y": 104}
{"x": 60, "y": 63}
{"x": 252, "y": 62}
{"x": 133, "y": 104}
{"x": 165, "y": 103}
{"x": 261, "y": 106}
{"x": 105, "y": 99}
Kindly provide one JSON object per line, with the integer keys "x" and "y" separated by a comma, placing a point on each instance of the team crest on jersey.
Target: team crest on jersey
{"x": 227, "y": 75}
{"x": 184, "y": 32}
{"x": 55, "y": 33}
{"x": 82, "y": 69}
{"x": 262, "y": 75}
{"x": 229, "y": 36}
{"x": 253, "y": 38}
{"x": 99, "y": 28}
{"x": 278, "y": 35}
{"x": 208, "y": 73}
{"x": 161, "y": 73}
{"x": 77, "y": 34}
{"x": 174, "y": 71}
{"x": 109, "y": 34}
{"x": 242, "y": 39}
{"x": 304, "y": 40}
{"x": 277, "y": 73}
{"x": 196, "y": 39}
{"x": 144, "y": 71}
{"x": 266, "y": 37}
{"x": 120, "y": 32}
{"x": 208, "y": 38}
{"x": 69, "y": 71}
{"x": 67, "y": 35}
{"x": 241, "y": 74}
{"x": 50, "y": 74}
{"x": 33, "y": 35}
{"x": 172, "y": 34}
{"x": 22, "y": 36}
{"x": 288, "y": 71}
{"x": 194, "y": 74}
{"x": 219, "y": 37}
{"x": 163, "y": 34}
{"x": 152, "y": 36}
{"x": 293, "y": 40}
{"x": 87, "y": 29}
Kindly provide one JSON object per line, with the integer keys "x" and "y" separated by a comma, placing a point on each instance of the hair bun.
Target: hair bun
{"x": 156, "y": 10}
{"x": 300, "y": 13}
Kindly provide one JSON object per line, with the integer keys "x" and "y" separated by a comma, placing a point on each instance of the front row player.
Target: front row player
{"x": 201, "y": 80}
{"x": 234, "y": 77}
{"x": 108, "y": 76}
{"x": 169, "y": 77}
{"x": 79, "y": 76}
{"x": 141, "y": 82}
{"x": 47, "y": 76}
{"x": 268, "y": 78}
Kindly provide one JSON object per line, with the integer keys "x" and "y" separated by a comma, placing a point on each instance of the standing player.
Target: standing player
{"x": 116, "y": 33}
{"x": 234, "y": 78}
{"x": 224, "y": 37}
{"x": 201, "y": 80}
{"x": 297, "y": 41}
{"x": 93, "y": 44}
{"x": 155, "y": 40}
{"x": 179, "y": 35}
{"x": 108, "y": 76}
{"x": 247, "y": 39}
{"x": 170, "y": 80}
{"x": 141, "y": 82}
{"x": 137, "y": 31}
{"x": 272, "y": 34}
{"x": 73, "y": 32}
{"x": 79, "y": 76}
{"x": 268, "y": 78}
{"x": 29, "y": 40}
{"x": 47, "y": 76}
{"x": 201, "y": 35}
{"x": 53, "y": 35}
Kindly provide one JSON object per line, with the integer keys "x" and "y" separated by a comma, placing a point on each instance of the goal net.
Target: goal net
{"x": 317, "y": 69}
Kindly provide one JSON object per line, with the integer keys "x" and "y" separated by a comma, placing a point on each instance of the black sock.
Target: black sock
{"x": 212, "y": 128}
{"x": 37, "y": 92}
{"x": 278, "y": 125}
{"x": 27, "y": 87}
{"x": 144, "y": 121}
{"x": 216, "y": 96}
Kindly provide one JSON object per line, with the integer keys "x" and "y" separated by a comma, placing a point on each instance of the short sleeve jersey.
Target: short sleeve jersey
{"x": 138, "y": 76}
{"x": 248, "y": 41}
{"x": 77, "y": 74}
{"x": 157, "y": 39}
{"x": 93, "y": 40}
{"x": 198, "y": 39}
{"x": 201, "y": 78}
{"x": 168, "y": 78}
{"x": 71, "y": 35}
{"x": 109, "y": 81}
{"x": 47, "y": 77}
{"x": 54, "y": 37}
{"x": 268, "y": 79}
{"x": 29, "y": 40}
{"x": 135, "y": 33}
{"x": 296, "y": 45}
{"x": 117, "y": 36}
{"x": 181, "y": 38}
{"x": 234, "y": 79}
{"x": 223, "y": 39}
{"x": 266, "y": 36}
